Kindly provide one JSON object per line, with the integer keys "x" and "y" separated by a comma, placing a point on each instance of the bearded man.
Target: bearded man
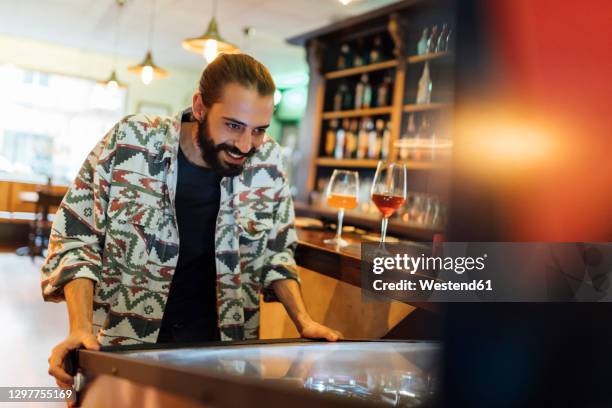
{"x": 174, "y": 226}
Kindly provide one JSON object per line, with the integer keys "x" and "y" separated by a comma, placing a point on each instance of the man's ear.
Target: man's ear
{"x": 197, "y": 107}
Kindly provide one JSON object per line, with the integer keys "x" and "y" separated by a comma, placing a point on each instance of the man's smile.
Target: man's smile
{"x": 235, "y": 158}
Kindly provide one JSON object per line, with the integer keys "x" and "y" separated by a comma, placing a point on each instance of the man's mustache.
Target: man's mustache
{"x": 234, "y": 150}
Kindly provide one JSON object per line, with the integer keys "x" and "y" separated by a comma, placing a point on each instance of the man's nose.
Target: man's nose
{"x": 244, "y": 142}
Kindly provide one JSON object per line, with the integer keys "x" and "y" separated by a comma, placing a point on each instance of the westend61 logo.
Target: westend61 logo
{"x": 412, "y": 264}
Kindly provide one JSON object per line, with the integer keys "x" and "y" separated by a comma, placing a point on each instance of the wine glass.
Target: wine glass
{"x": 388, "y": 191}
{"x": 342, "y": 193}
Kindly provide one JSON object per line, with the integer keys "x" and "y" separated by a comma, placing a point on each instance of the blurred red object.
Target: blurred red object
{"x": 552, "y": 64}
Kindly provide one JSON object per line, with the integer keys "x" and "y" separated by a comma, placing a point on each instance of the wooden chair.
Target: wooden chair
{"x": 40, "y": 227}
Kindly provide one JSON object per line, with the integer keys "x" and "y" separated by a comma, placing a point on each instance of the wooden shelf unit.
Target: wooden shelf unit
{"x": 372, "y": 163}
{"x": 353, "y": 163}
{"x": 419, "y": 107}
{"x": 343, "y": 73}
{"x": 322, "y": 48}
{"x": 414, "y": 59}
{"x": 355, "y": 113}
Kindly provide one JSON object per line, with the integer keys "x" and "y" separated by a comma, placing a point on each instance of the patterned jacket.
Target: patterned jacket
{"x": 117, "y": 226}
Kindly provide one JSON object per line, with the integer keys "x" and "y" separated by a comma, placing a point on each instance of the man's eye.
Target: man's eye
{"x": 259, "y": 131}
{"x": 233, "y": 126}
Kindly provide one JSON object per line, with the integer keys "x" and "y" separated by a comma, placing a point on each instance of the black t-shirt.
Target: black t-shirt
{"x": 191, "y": 309}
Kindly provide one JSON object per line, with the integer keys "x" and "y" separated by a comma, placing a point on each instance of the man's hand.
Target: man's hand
{"x": 313, "y": 330}
{"x": 289, "y": 293}
{"x": 58, "y": 354}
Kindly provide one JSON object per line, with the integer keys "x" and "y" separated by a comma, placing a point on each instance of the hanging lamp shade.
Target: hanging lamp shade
{"x": 112, "y": 81}
{"x": 210, "y": 43}
{"x": 148, "y": 70}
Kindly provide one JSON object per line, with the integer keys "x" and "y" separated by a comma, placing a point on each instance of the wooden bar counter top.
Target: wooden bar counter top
{"x": 330, "y": 280}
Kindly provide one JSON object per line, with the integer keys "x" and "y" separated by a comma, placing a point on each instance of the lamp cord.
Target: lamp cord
{"x": 152, "y": 23}
{"x": 116, "y": 39}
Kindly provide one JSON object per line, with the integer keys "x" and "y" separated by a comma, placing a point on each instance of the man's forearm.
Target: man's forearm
{"x": 289, "y": 293}
{"x": 79, "y": 299}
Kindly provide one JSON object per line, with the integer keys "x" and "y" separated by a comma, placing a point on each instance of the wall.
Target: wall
{"x": 175, "y": 90}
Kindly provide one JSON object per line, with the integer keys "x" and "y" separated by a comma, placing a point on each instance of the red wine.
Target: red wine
{"x": 387, "y": 204}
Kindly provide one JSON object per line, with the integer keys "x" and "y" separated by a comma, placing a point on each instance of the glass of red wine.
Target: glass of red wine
{"x": 388, "y": 191}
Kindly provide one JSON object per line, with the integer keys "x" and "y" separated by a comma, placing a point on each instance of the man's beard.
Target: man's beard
{"x": 210, "y": 152}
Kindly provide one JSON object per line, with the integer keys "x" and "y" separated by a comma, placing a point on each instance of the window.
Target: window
{"x": 49, "y": 123}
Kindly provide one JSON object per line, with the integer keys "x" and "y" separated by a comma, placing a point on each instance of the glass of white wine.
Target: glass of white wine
{"x": 343, "y": 194}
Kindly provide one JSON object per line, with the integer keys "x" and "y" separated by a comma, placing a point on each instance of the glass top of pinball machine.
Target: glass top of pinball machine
{"x": 395, "y": 373}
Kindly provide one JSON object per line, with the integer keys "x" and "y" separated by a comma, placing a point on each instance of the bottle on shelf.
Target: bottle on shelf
{"x": 359, "y": 59}
{"x": 344, "y": 59}
{"x": 386, "y": 140}
{"x": 362, "y": 139}
{"x": 448, "y": 39}
{"x": 367, "y": 93}
{"x": 432, "y": 40}
{"x": 384, "y": 135}
{"x": 441, "y": 43}
{"x": 434, "y": 139}
{"x": 340, "y": 141}
{"x": 424, "y": 86}
{"x": 427, "y": 132}
{"x": 347, "y": 98}
{"x": 339, "y": 96}
{"x": 374, "y": 142}
{"x": 359, "y": 91}
{"x": 382, "y": 93}
{"x": 415, "y": 135}
{"x": 407, "y": 138}
{"x": 351, "y": 140}
{"x": 377, "y": 50}
{"x": 330, "y": 138}
{"x": 422, "y": 44}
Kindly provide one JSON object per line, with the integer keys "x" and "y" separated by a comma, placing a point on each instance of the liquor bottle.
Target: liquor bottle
{"x": 407, "y": 137}
{"x": 433, "y": 38}
{"x": 351, "y": 140}
{"x": 426, "y": 133}
{"x": 344, "y": 59}
{"x": 422, "y": 44}
{"x": 447, "y": 41}
{"x": 347, "y": 98}
{"x": 362, "y": 140}
{"x": 340, "y": 141}
{"x": 386, "y": 140}
{"x": 382, "y": 93}
{"x": 415, "y": 136}
{"x": 367, "y": 93}
{"x": 339, "y": 96}
{"x": 433, "y": 140}
{"x": 376, "y": 53}
{"x": 424, "y": 86}
{"x": 441, "y": 43}
{"x": 358, "y": 59}
{"x": 359, "y": 90}
{"x": 330, "y": 138}
{"x": 373, "y": 141}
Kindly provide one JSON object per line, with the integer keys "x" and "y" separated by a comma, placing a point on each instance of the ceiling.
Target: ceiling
{"x": 89, "y": 25}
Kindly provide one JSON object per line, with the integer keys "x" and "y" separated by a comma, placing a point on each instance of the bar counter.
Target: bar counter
{"x": 331, "y": 284}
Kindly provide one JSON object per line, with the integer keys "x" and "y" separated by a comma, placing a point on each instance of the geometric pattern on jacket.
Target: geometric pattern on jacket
{"x": 117, "y": 226}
